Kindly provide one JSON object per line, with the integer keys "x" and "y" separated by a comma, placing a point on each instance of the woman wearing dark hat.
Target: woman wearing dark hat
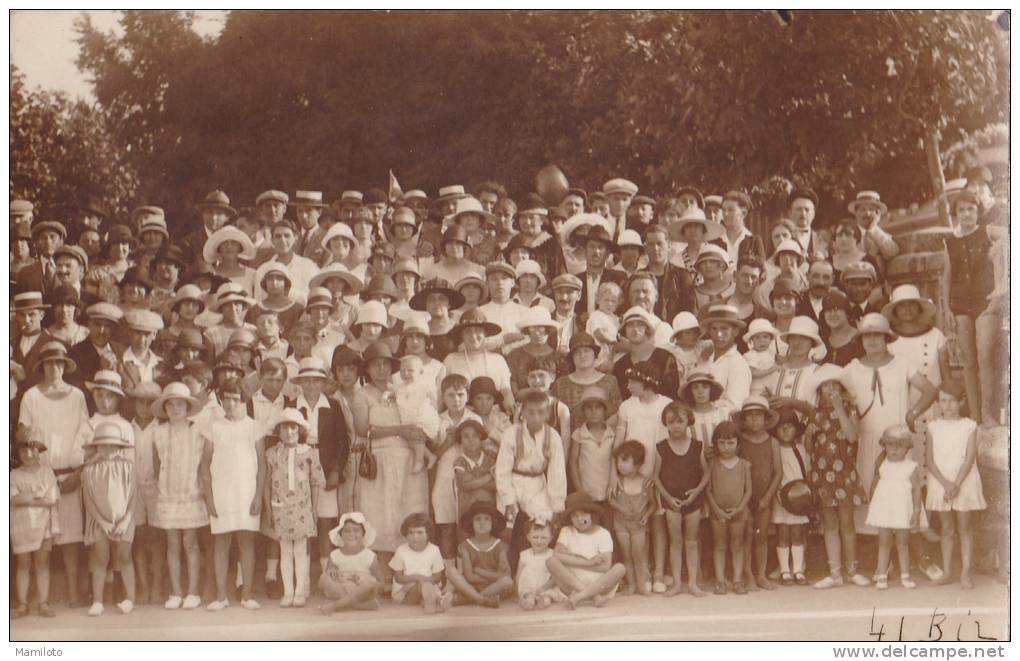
{"x": 65, "y": 327}
{"x": 570, "y": 388}
{"x": 59, "y": 411}
{"x": 842, "y": 343}
{"x": 395, "y": 490}
{"x": 438, "y": 299}
{"x": 472, "y": 360}
{"x": 453, "y": 264}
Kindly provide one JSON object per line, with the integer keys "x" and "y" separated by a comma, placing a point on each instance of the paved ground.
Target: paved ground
{"x": 795, "y": 613}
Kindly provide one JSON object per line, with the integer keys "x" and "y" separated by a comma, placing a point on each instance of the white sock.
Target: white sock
{"x": 798, "y": 558}
{"x": 301, "y": 568}
{"x": 783, "y": 553}
{"x": 271, "y": 566}
{"x": 287, "y": 567}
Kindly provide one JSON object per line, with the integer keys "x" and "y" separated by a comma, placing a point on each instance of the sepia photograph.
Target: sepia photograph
{"x": 572, "y": 325}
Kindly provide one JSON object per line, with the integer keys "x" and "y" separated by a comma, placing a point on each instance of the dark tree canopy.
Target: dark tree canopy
{"x": 333, "y": 100}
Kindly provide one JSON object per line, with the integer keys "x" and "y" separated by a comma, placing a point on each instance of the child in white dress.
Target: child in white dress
{"x": 791, "y": 528}
{"x": 415, "y": 397}
{"x": 604, "y": 324}
{"x": 353, "y": 576}
{"x": 954, "y": 484}
{"x": 761, "y": 353}
{"x": 34, "y": 519}
{"x": 536, "y": 588}
{"x": 894, "y": 505}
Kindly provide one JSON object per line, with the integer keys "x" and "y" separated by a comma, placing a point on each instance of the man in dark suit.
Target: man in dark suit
{"x": 40, "y": 276}
{"x": 28, "y": 339}
{"x": 215, "y": 211}
{"x": 97, "y": 351}
{"x": 675, "y": 285}
{"x": 859, "y": 282}
{"x": 820, "y": 280}
{"x": 598, "y": 245}
{"x": 327, "y": 430}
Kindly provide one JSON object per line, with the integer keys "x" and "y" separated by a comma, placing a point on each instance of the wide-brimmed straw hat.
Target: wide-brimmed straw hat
{"x": 311, "y": 368}
{"x": 55, "y": 351}
{"x": 291, "y": 415}
{"x": 337, "y": 270}
{"x": 702, "y": 377}
{"x": 696, "y": 216}
{"x": 537, "y": 317}
{"x": 756, "y": 403}
{"x": 874, "y": 322}
{"x": 759, "y": 326}
{"x": 106, "y": 380}
{"x": 175, "y": 390}
{"x": 221, "y": 236}
{"x": 110, "y": 433}
{"x": 867, "y": 198}
{"x": 722, "y": 313}
{"x": 909, "y": 294}
{"x": 804, "y": 327}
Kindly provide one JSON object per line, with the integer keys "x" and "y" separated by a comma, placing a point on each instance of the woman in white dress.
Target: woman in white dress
{"x": 880, "y": 385}
{"x": 233, "y": 470}
{"x": 919, "y": 342}
{"x": 58, "y": 409}
{"x": 394, "y": 491}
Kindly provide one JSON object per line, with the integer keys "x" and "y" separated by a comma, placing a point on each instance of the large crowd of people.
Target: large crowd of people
{"x": 470, "y": 399}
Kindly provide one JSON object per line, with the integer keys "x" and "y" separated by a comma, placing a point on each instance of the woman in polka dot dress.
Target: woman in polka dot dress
{"x": 831, "y": 440}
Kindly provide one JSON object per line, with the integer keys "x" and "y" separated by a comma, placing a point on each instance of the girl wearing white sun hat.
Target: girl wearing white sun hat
{"x": 225, "y": 250}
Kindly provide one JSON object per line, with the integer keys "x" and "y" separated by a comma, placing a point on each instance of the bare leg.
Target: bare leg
{"x": 720, "y": 536}
{"x": 564, "y": 577}
{"x": 122, "y": 554}
{"x": 903, "y": 551}
{"x": 173, "y": 561}
{"x": 948, "y": 542}
{"x": 360, "y": 596}
{"x": 24, "y": 576}
{"x": 70, "y": 554}
{"x": 737, "y": 537}
{"x": 761, "y": 548}
{"x": 246, "y": 544}
{"x": 498, "y": 587}
{"x": 41, "y": 559}
{"x": 194, "y": 557}
{"x": 660, "y": 541}
{"x": 639, "y": 554}
{"x": 99, "y": 560}
{"x": 848, "y": 534}
{"x": 833, "y": 549}
{"x": 966, "y": 549}
{"x": 465, "y": 588}
{"x": 967, "y": 336}
{"x": 599, "y": 587}
{"x": 885, "y": 540}
{"x": 140, "y": 556}
{"x": 221, "y": 556}
{"x": 623, "y": 537}
{"x": 692, "y": 527}
{"x": 675, "y": 526}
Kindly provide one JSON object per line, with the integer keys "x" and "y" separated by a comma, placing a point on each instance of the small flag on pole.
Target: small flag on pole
{"x": 396, "y": 195}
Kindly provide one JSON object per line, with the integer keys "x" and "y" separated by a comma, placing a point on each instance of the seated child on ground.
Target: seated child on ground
{"x": 536, "y": 588}
{"x": 484, "y": 574}
{"x": 353, "y": 576}
{"x": 418, "y": 567}
{"x": 583, "y": 563}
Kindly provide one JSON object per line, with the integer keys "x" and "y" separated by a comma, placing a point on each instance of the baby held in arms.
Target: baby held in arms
{"x": 415, "y": 398}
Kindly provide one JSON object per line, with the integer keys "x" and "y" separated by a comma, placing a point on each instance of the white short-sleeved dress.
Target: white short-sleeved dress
{"x": 31, "y": 526}
{"x": 587, "y": 545}
{"x": 179, "y": 501}
{"x": 892, "y": 504}
{"x": 234, "y": 469}
{"x": 949, "y": 449}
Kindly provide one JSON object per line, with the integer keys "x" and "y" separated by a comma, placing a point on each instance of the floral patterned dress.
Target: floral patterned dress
{"x": 833, "y": 473}
{"x": 294, "y": 472}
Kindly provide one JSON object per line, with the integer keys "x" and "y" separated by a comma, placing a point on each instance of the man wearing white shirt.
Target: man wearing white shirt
{"x": 725, "y": 363}
{"x": 619, "y": 193}
{"x": 301, "y": 269}
{"x": 500, "y": 310}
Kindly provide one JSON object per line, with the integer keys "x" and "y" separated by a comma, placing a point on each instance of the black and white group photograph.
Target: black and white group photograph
{"x": 567, "y": 325}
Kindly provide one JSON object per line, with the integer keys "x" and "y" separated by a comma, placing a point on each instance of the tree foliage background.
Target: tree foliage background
{"x": 720, "y": 99}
